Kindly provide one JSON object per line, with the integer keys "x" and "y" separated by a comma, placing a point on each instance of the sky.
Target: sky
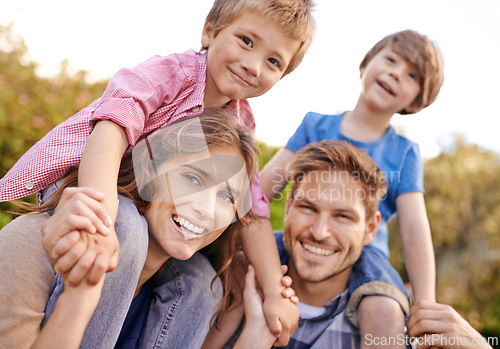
{"x": 103, "y": 36}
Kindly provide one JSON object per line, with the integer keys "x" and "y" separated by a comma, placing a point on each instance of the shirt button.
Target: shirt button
{"x": 195, "y": 109}
{"x": 29, "y": 185}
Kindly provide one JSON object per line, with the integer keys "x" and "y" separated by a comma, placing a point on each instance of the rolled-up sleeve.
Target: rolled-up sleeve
{"x": 260, "y": 203}
{"x": 134, "y": 94}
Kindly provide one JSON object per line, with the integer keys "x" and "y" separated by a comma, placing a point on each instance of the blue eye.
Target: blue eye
{"x": 390, "y": 59}
{"x": 246, "y": 41}
{"x": 225, "y": 196}
{"x": 192, "y": 179}
{"x": 413, "y": 76}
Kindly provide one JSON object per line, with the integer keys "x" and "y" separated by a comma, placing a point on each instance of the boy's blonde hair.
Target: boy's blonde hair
{"x": 422, "y": 55}
{"x": 294, "y": 17}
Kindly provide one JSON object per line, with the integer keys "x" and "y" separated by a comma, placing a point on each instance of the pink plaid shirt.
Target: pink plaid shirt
{"x": 155, "y": 93}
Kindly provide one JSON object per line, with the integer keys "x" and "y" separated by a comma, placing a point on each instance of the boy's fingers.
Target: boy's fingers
{"x": 275, "y": 327}
{"x": 286, "y": 281}
{"x": 113, "y": 262}
{"x": 98, "y": 269}
{"x": 81, "y": 269}
{"x": 70, "y": 192}
{"x": 65, "y": 244}
{"x": 70, "y": 258}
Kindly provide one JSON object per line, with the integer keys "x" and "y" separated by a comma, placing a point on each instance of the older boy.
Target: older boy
{"x": 402, "y": 74}
{"x": 248, "y": 46}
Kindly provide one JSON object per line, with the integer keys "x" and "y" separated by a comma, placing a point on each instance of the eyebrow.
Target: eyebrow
{"x": 198, "y": 169}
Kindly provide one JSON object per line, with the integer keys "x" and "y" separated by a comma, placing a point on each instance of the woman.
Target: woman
{"x": 190, "y": 193}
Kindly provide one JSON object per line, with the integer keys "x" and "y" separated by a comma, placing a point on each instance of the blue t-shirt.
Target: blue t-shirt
{"x": 397, "y": 156}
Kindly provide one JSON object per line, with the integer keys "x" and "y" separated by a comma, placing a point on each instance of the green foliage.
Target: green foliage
{"x": 463, "y": 204}
{"x": 30, "y": 105}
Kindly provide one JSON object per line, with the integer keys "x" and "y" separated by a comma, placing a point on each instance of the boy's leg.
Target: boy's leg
{"x": 119, "y": 285}
{"x": 184, "y": 302}
{"x": 378, "y": 303}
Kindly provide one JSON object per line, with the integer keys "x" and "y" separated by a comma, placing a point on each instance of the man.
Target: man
{"x": 331, "y": 216}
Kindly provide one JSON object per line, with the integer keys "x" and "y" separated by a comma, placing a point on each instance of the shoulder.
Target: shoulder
{"x": 314, "y": 118}
{"x": 128, "y": 217}
{"x": 402, "y": 144}
{"x": 180, "y": 65}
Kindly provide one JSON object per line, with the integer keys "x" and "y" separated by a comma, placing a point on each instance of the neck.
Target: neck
{"x": 212, "y": 97}
{"x": 151, "y": 266}
{"x": 364, "y": 124}
{"x": 319, "y": 293}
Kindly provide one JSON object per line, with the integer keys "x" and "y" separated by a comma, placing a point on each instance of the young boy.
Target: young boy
{"x": 401, "y": 74}
{"x": 247, "y": 47}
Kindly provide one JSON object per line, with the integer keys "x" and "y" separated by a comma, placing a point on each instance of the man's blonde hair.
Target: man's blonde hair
{"x": 422, "y": 55}
{"x": 294, "y": 17}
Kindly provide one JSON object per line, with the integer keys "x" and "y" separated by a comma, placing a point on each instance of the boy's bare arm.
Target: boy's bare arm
{"x": 99, "y": 170}
{"x": 273, "y": 176}
{"x": 73, "y": 311}
{"x": 415, "y": 234}
{"x": 261, "y": 250}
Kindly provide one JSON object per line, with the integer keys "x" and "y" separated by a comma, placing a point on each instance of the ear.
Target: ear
{"x": 207, "y": 34}
{"x": 371, "y": 228}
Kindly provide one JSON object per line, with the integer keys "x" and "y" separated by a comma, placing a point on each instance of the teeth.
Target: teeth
{"x": 189, "y": 226}
{"x": 317, "y": 250}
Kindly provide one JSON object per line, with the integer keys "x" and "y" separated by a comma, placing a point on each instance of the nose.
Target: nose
{"x": 321, "y": 228}
{"x": 204, "y": 205}
{"x": 251, "y": 64}
{"x": 396, "y": 71}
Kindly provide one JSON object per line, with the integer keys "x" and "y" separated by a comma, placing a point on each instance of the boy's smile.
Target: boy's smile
{"x": 389, "y": 84}
{"x": 245, "y": 59}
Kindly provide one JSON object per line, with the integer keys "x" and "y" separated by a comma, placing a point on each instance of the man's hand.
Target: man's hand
{"x": 71, "y": 242}
{"x": 439, "y": 325}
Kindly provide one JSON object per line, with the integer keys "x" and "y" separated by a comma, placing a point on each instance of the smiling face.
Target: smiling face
{"x": 245, "y": 59}
{"x": 389, "y": 84}
{"x": 326, "y": 227}
{"x": 196, "y": 203}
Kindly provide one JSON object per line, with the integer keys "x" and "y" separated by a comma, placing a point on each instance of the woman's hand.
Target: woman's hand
{"x": 70, "y": 239}
{"x": 256, "y": 334}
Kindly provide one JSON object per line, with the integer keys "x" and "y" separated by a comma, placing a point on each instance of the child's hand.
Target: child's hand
{"x": 70, "y": 241}
{"x": 288, "y": 292}
{"x": 282, "y": 314}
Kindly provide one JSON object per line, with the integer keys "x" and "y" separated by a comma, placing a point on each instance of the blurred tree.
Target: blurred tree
{"x": 463, "y": 204}
{"x": 31, "y": 105}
